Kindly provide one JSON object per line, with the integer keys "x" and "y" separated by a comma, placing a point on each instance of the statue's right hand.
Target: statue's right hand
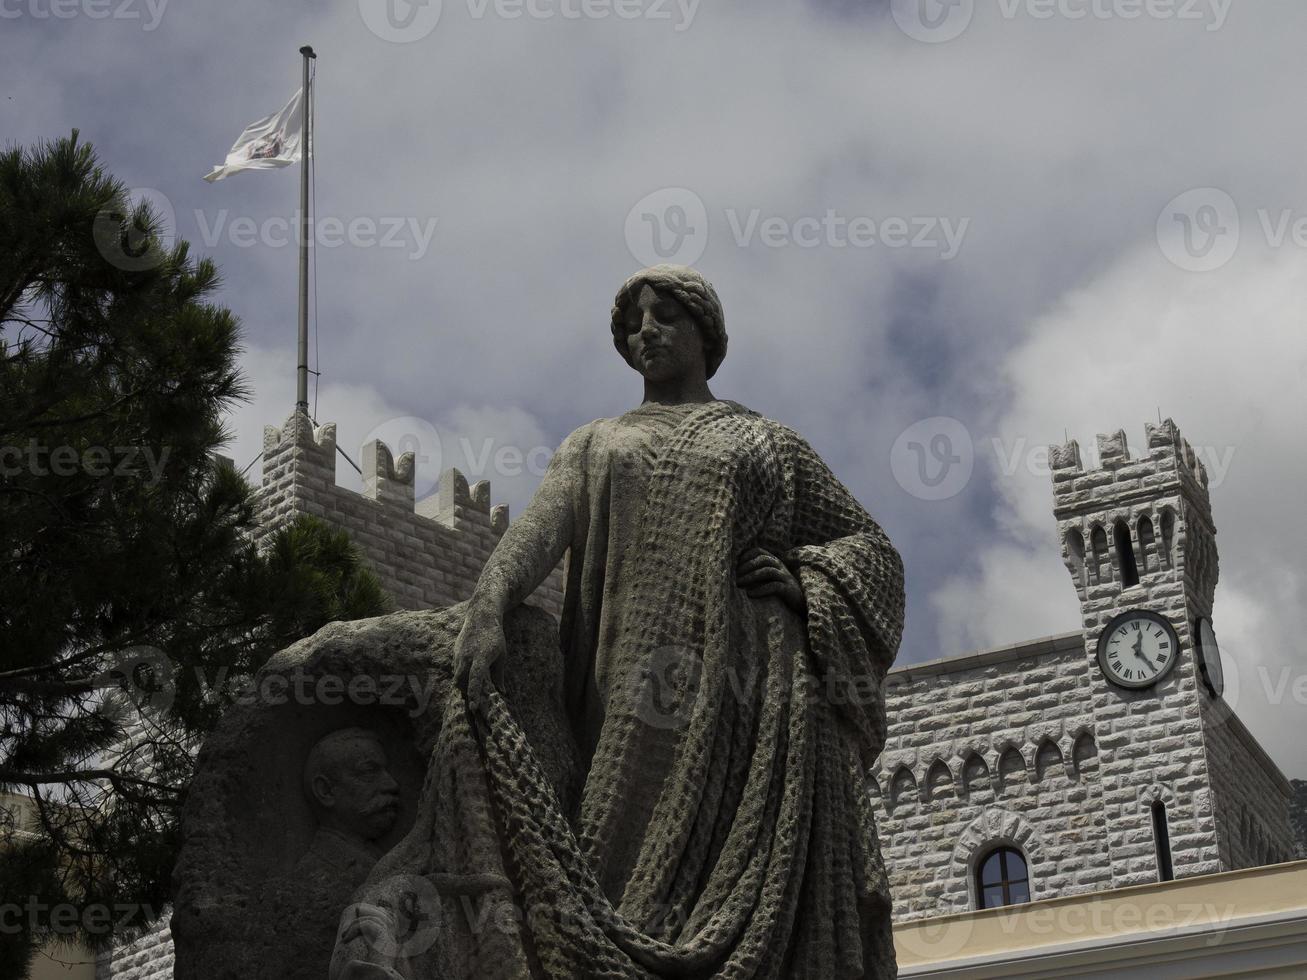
{"x": 365, "y": 931}
{"x": 480, "y": 645}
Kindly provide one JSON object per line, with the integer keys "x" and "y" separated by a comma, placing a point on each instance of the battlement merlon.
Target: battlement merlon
{"x": 1171, "y": 465}
{"x": 427, "y": 554}
{"x": 299, "y": 452}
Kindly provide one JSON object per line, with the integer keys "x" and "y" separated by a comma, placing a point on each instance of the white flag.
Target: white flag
{"x": 269, "y": 144}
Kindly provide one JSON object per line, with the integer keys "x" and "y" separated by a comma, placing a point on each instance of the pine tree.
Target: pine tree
{"x": 131, "y": 594}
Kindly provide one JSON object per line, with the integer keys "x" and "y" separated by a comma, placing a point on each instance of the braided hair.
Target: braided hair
{"x": 688, "y": 288}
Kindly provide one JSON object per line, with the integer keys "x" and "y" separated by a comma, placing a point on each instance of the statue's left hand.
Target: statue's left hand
{"x": 760, "y": 573}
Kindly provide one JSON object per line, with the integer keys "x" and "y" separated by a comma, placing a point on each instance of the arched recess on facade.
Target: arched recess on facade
{"x": 1168, "y": 537}
{"x": 1084, "y": 755}
{"x": 1012, "y": 767}
{"x": 940, "y": 784}
{"x": 977, "y": 782}
{"x": 1147, "y": 545}
{"x": 1100, "y": 561}
{"x": 1048, "y": 760}
{"x": 997, "y": 828}
{"x": 873, "y": 789}
{"x": 902, "y": 788}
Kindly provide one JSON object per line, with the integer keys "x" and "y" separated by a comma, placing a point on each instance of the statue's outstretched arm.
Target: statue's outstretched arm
{"x": 532, "y": 546}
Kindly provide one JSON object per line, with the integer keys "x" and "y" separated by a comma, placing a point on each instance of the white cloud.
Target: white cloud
{"x": 1223, "y": 353}
{"x": 529, "y": 141}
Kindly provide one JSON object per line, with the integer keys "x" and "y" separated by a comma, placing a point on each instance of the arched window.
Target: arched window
{"x": 1125, "y": 555}
{"x": 1162, "y": 839}
{"x": 1002, "y": 879}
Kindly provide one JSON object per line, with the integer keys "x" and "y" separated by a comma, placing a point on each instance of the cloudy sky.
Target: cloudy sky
{"x": 945, "y": 234}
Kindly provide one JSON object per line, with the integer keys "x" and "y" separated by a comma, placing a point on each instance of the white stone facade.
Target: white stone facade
{"x": 1031, "y": 746}
{"x": 1026, "y": 746}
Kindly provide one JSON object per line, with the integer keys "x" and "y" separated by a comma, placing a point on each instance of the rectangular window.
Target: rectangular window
{"x": 1162, "y": 838}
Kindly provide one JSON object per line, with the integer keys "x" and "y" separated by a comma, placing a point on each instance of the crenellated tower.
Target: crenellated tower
{"x": 1178, "y": 767}
{"x": 427, "y": 553}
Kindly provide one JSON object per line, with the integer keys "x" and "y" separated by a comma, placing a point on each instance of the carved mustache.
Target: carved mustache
{"x": 388, "y": 803}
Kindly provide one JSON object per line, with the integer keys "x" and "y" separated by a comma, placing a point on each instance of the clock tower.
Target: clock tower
{"x": 1138, "y": 538}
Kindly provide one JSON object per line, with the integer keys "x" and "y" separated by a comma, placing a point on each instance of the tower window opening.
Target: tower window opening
{"x": 1162, "y": 838}
{"x": 1168, "y": 535}
{"x": 1125, "y": 555}
{"x": 1147, "y": 546}
{"x": 1098, "y": 545}
{"x": 1075, "y": 549}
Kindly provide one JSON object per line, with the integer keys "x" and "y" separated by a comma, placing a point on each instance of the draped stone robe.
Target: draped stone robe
{"x": 723, "y": 829}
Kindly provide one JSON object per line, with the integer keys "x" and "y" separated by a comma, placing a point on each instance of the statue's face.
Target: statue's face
{"x": 663, "y": 339}
{"x": 359, "y": 796}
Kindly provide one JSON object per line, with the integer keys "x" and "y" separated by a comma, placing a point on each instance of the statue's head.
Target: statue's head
{"x": 348, "y": 785}
{"x": 672, "y": 294}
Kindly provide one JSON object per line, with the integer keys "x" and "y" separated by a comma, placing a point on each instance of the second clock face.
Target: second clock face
{"x": 1137, "y": 649}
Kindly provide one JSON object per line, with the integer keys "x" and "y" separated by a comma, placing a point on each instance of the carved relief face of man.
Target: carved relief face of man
{"x": 350, "y": 787}
{"x": 663, "y": 340}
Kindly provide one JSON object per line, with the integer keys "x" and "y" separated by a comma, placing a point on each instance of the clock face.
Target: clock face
{"x": 1137, "y": 649}
{"x": 1209, "y": 658}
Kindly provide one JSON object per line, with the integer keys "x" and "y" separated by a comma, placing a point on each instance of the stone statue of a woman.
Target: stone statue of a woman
{"x": 729, "y": 616}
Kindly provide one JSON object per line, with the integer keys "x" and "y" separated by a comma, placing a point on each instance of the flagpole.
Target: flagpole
{"x": 306, "y": 148}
